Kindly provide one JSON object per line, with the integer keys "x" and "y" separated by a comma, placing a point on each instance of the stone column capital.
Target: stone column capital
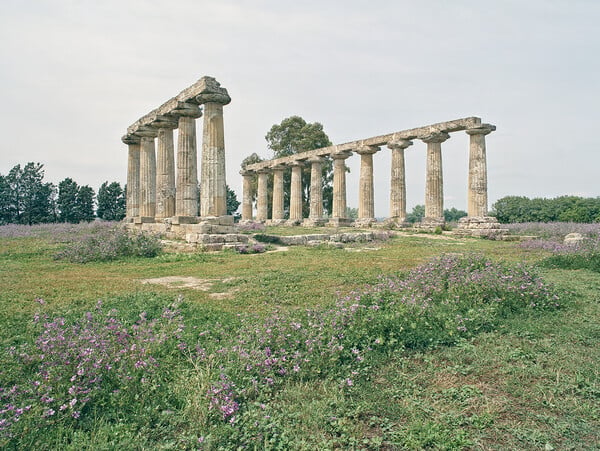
{"x": 264, "y": 171}
{"x": 483, "y": 129}
{"x": 147, "y": 132}
{"x": 213, "y": 93}
{"x": 340, "y": 155}
{"x": 436, "y": 137}
{"x": 278, "y": 167}
{"x": 399, "y": 143}
{"x": 130, "y": 139}
{"x": 166, "y": 122}
{"x": 316, "y": 159}
{"x": 186, "y": 109}
{"x": 246, "y": 172}
{"x": 364, "y": 149}
{"x": 297, "y": 163}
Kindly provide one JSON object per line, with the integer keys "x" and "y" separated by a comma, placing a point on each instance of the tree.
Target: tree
{"x": 67, "y": 201}
{"x": 85, "y": 203}
{"x": 417, "y": 214}
{"x": 24, "y": 197}
{"x": 453, "y": 215}
{"x": 232, "y": 202}
{"x": 295, "y": 135}
{"x": 111, "y": 202}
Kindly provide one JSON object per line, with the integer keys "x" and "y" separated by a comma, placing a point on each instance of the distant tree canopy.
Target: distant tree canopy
{"x": 26, "y": 199}
{"x": 232, "y": 202}
{"x": 450, "y": 215}
{"x": 511, "y": 209}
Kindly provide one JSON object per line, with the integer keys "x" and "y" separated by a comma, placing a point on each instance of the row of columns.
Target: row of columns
{"x": 434, "y": 204}
{"x": 156, "y": 190}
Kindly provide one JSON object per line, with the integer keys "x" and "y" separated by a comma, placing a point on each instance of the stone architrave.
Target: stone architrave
{"x": 165, "y": 169}
{"x": 133, "y": 177}
{"x": 296, "y": 193}
{"x": 147, "y": 179}
{"x": 277, "y": 214}
{"x": 398, "y": 181}
{"x": 477, "y": 196}
{"x": 366, "y": 197}
{"x": 213, "y": 190}
{"x": 315, "y": 215}
{"x": 262, "y": 202}
{"x": 338, "y": 214}
{"x": 186, "y": 203}
{"x": 247, "y": 195}
{"x": 434, "y": 186}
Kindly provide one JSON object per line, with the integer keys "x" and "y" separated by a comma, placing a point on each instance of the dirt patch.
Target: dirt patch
{"x": 193, "y": 283}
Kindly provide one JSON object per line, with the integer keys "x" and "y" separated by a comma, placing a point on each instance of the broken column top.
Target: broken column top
{"x": 186, "y": 103}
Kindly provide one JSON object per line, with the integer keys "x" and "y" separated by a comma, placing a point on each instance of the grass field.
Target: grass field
{"x": 526, "y": 379}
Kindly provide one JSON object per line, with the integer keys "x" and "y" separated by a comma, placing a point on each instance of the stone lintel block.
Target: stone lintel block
{"x": 191, "y": 237}
{"x": 223, "y": 229}
{"x": 199, "y": 228}
{"x": 340, "y": 222}
{"x": 365, "y": 222}
{"x": 226, "y": 220}
{"x": 177, "y": 220}
{"x": 314, "y": 222}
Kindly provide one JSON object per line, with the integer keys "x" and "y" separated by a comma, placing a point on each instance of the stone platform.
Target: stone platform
{"x": 482, "y": 226}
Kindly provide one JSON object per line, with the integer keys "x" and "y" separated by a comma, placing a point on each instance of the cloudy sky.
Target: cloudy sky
{"x": 75, "y": 73}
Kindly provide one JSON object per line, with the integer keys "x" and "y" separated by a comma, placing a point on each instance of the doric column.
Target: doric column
{"x": 147, "y": 178}
{"x": 338, "y": 213}
{"x": 477, "y": 197}
{"x": 247, "y": 177}
{"x": 213, "y": 191}
{"x": 277, "y": 210}
{"x": 186, "y": 204}
{"x": 434, "y": 187}
{"x": 296, "y": 193}
{"x": 316, "y": 190}
{"x": 262, "y": 203}
{"x": 366, "y": 197}
{"x": 398, "y": 180}
{"x": 133, "y": 177}
{"x": 165, "y": 168}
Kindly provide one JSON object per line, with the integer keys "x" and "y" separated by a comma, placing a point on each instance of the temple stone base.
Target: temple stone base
{"x": 430, "y": 223}
{"x": 276, "y": 222}
{"x": 340, "y": 222}
{"x": 142, "y": 220}
{"x": 176, "y": 220}
{"x": 480, "y": 226}
{"x": 314, "y": 222}
{"x": 293, "y": 222}
{"x": 396, "y": 223}
{"x": 365, "y": 222}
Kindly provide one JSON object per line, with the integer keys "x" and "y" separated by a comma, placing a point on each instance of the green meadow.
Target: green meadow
{"x": 371, "y": 346}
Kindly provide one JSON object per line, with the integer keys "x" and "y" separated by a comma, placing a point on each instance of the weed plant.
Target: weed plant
{"x": 212, "y": 385}
{"x": 110, "y": 244}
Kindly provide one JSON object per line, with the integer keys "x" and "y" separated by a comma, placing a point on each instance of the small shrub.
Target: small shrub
{"x": 254, "y": 249}
{"x": 110, "y": 245}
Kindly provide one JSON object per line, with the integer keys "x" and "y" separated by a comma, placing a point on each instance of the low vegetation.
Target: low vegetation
{"x": 420, "y": 342}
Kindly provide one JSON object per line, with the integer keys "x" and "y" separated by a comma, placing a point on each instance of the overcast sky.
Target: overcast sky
{"x": 74, "y": 74}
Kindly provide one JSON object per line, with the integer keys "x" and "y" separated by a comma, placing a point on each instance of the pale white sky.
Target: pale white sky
{"x": 75, "y": 73}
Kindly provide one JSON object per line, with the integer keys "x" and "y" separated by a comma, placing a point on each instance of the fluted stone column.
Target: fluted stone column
{"x": 477, "y": 198}
{"x": 262, "y": 203}
{"x": 398, "y": 181}
{"x": 366, "y": 196}
{"x": 147, "y": 179}
{"x": 315, "y": 215}
{"x": 338, "y": 213}
{"x": 213, "y": 191}
{"x": 247, "y": 177}
{"x": 296, "y": 193}
{"x": 434, "y": 187}
{"x": 186, "y": 204}
{"x": 165, "y": 172}
{"x": 133, "y": 178}
{"x": 277, "y": 209}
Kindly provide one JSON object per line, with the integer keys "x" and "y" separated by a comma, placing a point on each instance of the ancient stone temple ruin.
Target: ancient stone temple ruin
{"x": 477, "y": 223}
{"x": 163, "y": 197}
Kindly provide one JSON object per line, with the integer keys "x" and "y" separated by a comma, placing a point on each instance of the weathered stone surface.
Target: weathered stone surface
{"x": 296, "y": 193}
{"x": 574, "y": 238}
{"x": 262, "y": 199}
{"x": 382, "y": 140}
{"x": 398, "y": 180}
{"x": 477, "y": 192}
{"x": 213, "y": 191}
